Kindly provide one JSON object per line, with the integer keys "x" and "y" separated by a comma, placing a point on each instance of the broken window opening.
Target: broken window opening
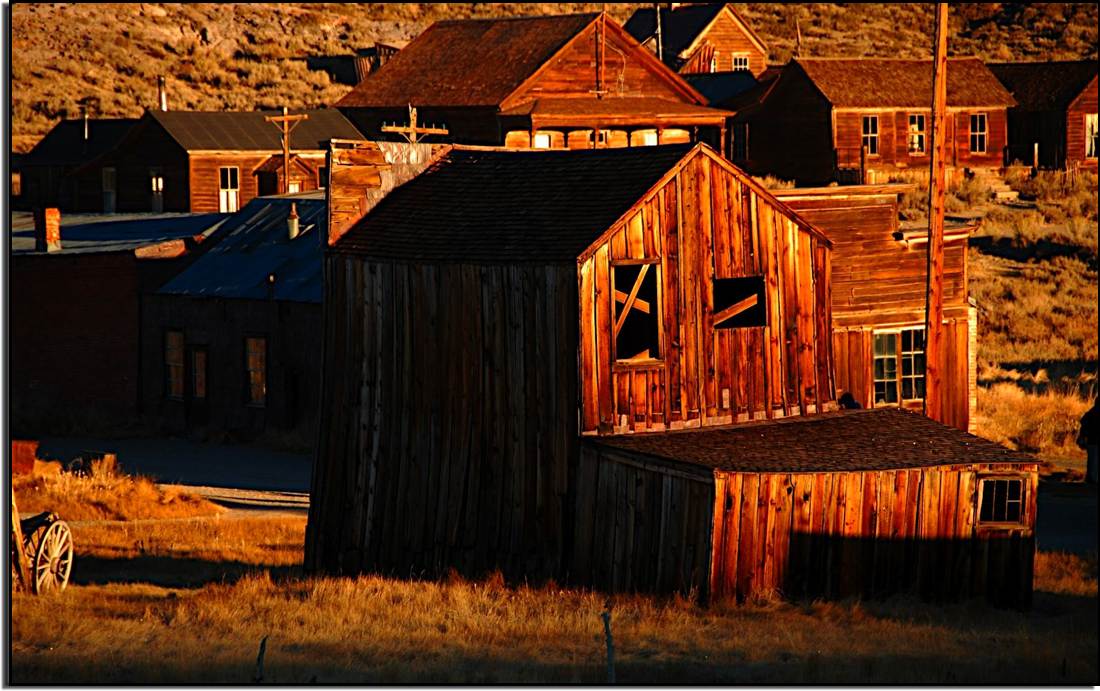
{"x": 739, "y": 302}
{"x": 1002, "y": 501}
{"x": 635, "y": 313}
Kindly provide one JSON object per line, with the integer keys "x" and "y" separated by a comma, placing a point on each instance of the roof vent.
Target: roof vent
{"x": 292, "y": 221}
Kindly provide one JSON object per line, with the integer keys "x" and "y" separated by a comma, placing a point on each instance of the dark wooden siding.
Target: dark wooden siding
{"x": 707, "y": 223}
{"x": 448, "y": 419}
{"x": 293, "y": 334}
{"x": 869, "y": 534}
{"x": 727, "y": 37}
{"x": 149, "y": 146}
{"x": 641, "y": 527}
{"x": 791, "y": 135}
{"x": 204, "y": 176}
{"x": 1075, "y": 126}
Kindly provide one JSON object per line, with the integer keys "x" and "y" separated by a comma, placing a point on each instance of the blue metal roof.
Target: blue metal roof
{"x": 254, "y": 244}
{"x": 92, "y": 233}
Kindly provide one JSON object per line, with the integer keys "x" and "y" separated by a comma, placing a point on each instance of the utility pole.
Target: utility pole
{"x": 660, "y": 39}
{"x": 933, "y": 348}
{"x": 286, "y": 123}
{"x": 413, "y": 130}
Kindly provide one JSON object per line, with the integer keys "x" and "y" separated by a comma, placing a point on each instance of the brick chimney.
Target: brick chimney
{"x": 47, "y": 230}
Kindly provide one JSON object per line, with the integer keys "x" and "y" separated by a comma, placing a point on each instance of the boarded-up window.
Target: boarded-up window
{"x": 979, "y": 134}
{"x": 198, "y": 373}
{"x": 256, "y": 369}
{"x": 1002, "y": 500}
{"x": 886, "y": 368}
{"x": 917, "y": 134}
{"x": 870, "y": 134}
{"x": 173, "y": 364}
{"x": 636, "y": 317}
{"x": 739, "y": 302}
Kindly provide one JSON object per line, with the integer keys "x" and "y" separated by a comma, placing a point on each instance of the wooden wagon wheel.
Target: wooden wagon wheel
{"x": 53, "y": 559}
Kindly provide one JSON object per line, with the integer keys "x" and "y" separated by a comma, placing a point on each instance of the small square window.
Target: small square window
{"x": 1002, "y": 501}
{"x": 739, "y": 302}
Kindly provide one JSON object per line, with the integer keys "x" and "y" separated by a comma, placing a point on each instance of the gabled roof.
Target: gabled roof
{"x": 473, "y": 62}
{"x": 877, "y": 439}
{"x": 247, "y": 131}
{"x": 65, "y": 144}
{"x": 493, "y": 206}
{"x": 681, "y": 27}
{"x": 902, "y": 83}
{"x": 253, "y": 244}
{"x": 274, "y": 164}
{"x": 1038, "y": 86}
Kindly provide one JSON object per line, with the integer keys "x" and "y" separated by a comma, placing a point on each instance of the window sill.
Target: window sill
{"x": 627, "y": 365}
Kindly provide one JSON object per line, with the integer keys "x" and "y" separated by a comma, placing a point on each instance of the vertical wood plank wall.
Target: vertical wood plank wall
{"x": 641, "y": 527}
{"x": 709, "y": 223}
{"x": 870, "y": 534}
{"x": 448, "y": 426}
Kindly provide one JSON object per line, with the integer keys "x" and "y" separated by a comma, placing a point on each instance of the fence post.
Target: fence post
{"x": 606, "y": 616}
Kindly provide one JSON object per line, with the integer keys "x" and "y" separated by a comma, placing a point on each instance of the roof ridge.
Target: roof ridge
{"x": 525, "y": 17}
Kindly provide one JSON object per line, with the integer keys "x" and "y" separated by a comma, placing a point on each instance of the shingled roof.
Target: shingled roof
{"x": 898, "y": 83}
{"x": 492, "y": 206}
{"x": 467, "y": 62}
{"x": 679, "y": 27}
{"x": 248, "y": 131}
{"x": 65, "y": 143}
{"x": 1039, "y": 86}
{"x": 878, "y": 439}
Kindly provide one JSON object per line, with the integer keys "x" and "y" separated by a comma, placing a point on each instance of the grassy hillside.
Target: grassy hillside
{"x": 240, "y": 56}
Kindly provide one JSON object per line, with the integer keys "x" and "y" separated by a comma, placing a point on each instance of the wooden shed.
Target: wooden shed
{"x": 879, "y": 273}
{"x": 1055, "y": 112}
{"x": 569, "y": 81}
{"x": 862, "y": 119}
{"x": 855, "y": 503}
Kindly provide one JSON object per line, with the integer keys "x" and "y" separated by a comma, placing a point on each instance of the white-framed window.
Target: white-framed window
{"x": 979, "y": 133}
{"x": 1091, "y": 135}
{"x": 1001, "y": 501}
{"x": 542, "y": 140}
{"x": 870, "y": 134}
{"x": 739, "y": 62}
{"x": 229, "y": 189}
{"x": 294, "y": 187}
{"x": 917, "y": 134}
{"x": 898, "y": 365}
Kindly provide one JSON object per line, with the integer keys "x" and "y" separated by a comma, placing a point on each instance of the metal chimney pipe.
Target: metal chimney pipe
{"x": 292, "y": 221}
{"x": 84, "y": 116}
{"x": 162, "y": 94}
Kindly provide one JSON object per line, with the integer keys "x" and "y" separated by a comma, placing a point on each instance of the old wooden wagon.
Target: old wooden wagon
{"x": 524, "y": 350}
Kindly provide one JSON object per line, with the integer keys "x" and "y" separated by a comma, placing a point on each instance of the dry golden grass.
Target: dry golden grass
{"x": 372, "y": 629}
{"x": 105, "y": 493}
{"x": 1043, "y": 423}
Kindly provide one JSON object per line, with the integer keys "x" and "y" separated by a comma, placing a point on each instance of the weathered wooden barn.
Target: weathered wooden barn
{"x": 1055, "y": 113}
{"x": 511, "y": 382}
{"x": 700, "y": 37}
{"x": 44, "y": 179}
{"x": 206, "y": 161}
{"x": 573, "y": 81}
{"x": 878, "y": 300}
{"x": 861, "y": 120}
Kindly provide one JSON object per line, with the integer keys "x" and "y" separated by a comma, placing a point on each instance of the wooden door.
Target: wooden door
{"x": 198, "y": 409}
{"x": 109, "y": 190}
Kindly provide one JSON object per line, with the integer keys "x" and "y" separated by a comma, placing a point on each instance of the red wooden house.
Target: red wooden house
{"x": 853, "y": 119}
{"x": 1055, "y": 112}
{"x": 614, "y": 367}
{"x": 573, "y": 81}
{"x": 700, "y": 38}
